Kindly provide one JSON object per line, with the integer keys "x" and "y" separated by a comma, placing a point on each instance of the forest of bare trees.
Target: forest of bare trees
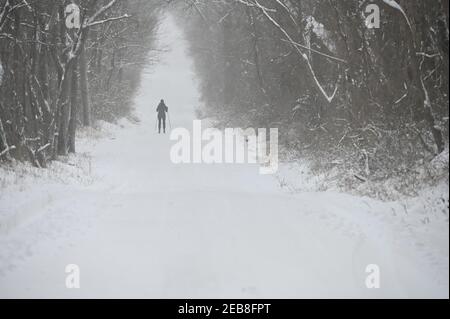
{"x": 375, "y": 98}
{"x": 54, "y": 78}
{"x": 339, "y": 91}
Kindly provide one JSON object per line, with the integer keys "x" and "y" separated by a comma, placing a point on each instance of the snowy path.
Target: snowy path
{"x": 151, "y": 229}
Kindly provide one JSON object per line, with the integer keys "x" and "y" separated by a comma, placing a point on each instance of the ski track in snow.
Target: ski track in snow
{"x": 149, "y": 229}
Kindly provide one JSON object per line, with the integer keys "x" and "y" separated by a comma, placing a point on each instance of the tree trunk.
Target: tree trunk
{"x": 422, "y": 97}
{"x": 4, "y": 147}
{"x": 84, "y": 88}
{"x": 229, "y": 81}
{"x": 254, "y": 36}
{"x": 73, "y": 109}
{"x": 63, "y": 112}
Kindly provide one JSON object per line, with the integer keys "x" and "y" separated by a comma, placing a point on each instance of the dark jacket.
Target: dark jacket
{"x": 162, "y": 109}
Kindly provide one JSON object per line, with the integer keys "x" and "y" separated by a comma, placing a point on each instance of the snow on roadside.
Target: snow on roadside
{"x": 33, "y": 187}
{"x": 414, "y": 226}
{"x": 38, "y": 205}
{"x": 24, "y": 188}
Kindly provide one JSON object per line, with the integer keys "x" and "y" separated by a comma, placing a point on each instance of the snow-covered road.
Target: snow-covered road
{"x": 147, "y": 228}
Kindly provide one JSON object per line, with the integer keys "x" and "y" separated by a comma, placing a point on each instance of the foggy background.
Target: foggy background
{"x": 86, "y": 180}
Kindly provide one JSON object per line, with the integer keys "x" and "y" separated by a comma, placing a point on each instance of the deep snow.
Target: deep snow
{"x": 139, "y": 226}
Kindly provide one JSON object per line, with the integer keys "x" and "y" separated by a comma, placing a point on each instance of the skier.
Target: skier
{"x": 162, "y": 110}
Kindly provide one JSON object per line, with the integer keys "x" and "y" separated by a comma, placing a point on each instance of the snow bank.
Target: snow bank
{"x": 36, "y": 187}
{"x": 411, "y": 225}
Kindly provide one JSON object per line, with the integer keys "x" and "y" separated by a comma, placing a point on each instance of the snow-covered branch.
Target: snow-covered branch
{"x": 315, "y": 51}
{"x": 99, "y": 12}
{"x": 7, "y": 10}
{"x": 3, "y": 13}
{"x": 7, "y": 150}
{"x": 396, "y": 6}
{"x": 125, "y": 16}
{"x": 266, "y": 13}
